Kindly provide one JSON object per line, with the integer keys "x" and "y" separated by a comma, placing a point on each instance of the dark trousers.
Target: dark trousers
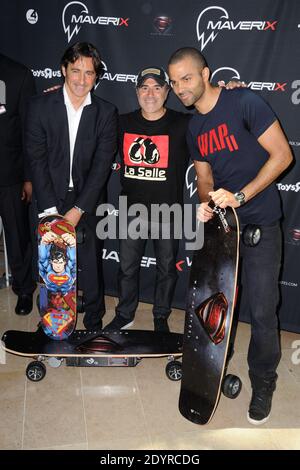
{"x": 131, "y": 253}
{"x": 260, "y": 273}
{"x": 14, "y": 214}
{"x": 89, "y": 259}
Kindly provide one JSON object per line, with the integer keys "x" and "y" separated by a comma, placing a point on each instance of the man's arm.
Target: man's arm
{"x": 37, "y": 154}
{"x": 205, "y": 185}
{"x": 101, "y": 167}
{"x": 280, "y": 157}
{"x": 27, "y": 90}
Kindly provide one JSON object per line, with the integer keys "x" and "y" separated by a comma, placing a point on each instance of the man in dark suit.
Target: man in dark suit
{"x": 16, "y": 87}
{"x": 70, "y": 142}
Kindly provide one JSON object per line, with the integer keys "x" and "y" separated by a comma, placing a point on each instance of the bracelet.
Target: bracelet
{"x": 79, "y": 210}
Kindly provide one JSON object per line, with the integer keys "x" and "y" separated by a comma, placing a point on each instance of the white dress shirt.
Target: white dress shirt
{"x": 74, "y": 116}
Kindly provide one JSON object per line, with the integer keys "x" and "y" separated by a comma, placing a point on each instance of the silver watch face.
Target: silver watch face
{"x": 240, "y": 197}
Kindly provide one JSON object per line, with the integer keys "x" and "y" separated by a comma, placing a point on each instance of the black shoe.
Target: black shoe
{"x": 24, "y": 304}
{"x": 161, "y": 324}
{"x": 118, "y": 323}
{"x": 92, "y": 321}
{"x": 261, "y": 402}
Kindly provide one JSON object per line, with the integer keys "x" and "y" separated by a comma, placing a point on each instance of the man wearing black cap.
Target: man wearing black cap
{"x": 154, "y": 158}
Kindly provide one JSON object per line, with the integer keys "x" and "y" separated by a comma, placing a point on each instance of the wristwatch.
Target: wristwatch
{"x": 240, "y": 197}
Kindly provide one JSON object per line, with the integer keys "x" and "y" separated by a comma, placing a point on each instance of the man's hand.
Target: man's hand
{"x": 232, "y": 84}
{"x": 73, "y": 216}
{"x": 27, "y": 191}
{"x": 48, "y": 237}
{"x": 224, "y": 198}
{"x": 204, "y": 213}
{"x": 69, "y": 239}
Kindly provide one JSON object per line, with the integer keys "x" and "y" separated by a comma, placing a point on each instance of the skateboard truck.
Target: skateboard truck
{"x": 251, "y": 234}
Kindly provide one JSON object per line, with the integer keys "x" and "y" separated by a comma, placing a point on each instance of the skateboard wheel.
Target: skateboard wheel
{"x": 174, "y": 370}
{"x": 251, "y": 235}
{"x": 80, "y": 304}
{"x": 231, "y": 386}
{"x": 80, "y": 236}
{"x": 35, "y": 371}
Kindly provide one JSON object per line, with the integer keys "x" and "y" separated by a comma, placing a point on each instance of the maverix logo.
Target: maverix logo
{"x": 214, "y": 19}
{"x": 228, "y": 73}
{"x": 75, "y": 14}
{"x": 116, "y": 76}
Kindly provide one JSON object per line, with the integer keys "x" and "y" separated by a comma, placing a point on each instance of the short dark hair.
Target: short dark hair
{"x": 57, "y": 253}
{"x": 184, "y": 52}
{"x": 83, "y": 49}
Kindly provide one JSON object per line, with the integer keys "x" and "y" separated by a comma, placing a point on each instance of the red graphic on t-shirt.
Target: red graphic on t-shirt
{"x": 146, "y": 151}
{"x": 216, "y": 140}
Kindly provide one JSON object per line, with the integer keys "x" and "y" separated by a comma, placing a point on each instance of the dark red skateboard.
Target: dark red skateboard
{"x": 208, "y": 321}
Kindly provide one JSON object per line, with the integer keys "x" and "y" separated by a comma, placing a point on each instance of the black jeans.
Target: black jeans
{"x": 14, "y": 213}
{"x": 131, "y": 253}
{"x": 260, "y": 273}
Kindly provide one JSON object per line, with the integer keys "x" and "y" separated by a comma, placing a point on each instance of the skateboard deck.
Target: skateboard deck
{"x": 57, "y": 276}
{"x": 209, "y": 314}
{"x": 89, "y": 348}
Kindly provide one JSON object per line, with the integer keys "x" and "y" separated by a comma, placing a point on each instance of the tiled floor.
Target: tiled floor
{"x": 134, "y": 408}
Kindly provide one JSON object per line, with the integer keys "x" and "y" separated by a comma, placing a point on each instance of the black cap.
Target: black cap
{"x": 157, "y": 73}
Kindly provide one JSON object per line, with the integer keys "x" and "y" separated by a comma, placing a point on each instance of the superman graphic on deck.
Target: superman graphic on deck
{"x": 57, "y": 265}
{"x": 57, "y": 270}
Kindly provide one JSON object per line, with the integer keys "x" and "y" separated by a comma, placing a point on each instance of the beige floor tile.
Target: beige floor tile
{"x": 291, "y": 359}
{"x": 159, "y": 397}
{"x": 54, "y": 414}
{"x": 112, "y": 405}
{"x": 219, "y": 439}
{"x": 242, "y": 338}
{"x": 110, "y": 302}
{"x": 135, "y": 408}
{"x": 137, "y": 443}
{"x": 12, "y": 385}
{"x": 288, "y": 338}
{"x": 285, "y": 405}
{"x": 75, "y": 446}
{"x": 286, "y": 438}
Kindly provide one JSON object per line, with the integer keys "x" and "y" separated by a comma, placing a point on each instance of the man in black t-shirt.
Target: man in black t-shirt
{"x": 16, "y": 88}
{"x": 239, "y": 150}
{"x": 154, "y": 156}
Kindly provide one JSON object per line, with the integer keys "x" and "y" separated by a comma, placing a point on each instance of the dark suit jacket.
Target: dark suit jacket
{"x": 19, "y": 87}
{"x": 48, "y": 150}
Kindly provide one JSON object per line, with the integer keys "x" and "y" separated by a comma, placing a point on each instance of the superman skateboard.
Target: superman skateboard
{"x": 57, "y": 276}
{"x": 208, "y": 321}
{"x": 94, "y": 349}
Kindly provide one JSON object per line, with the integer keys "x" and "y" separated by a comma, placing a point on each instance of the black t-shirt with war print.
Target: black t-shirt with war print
{"x": 226, "y": 138}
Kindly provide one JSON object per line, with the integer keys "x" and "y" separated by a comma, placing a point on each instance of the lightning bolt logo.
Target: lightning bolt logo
{"x": 191, "y": 180}
{"x": 203, "y": 38}
{"x": 67, "y": 27}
